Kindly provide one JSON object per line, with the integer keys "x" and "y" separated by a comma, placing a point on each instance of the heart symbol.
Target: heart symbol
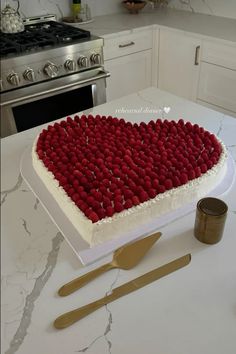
{"x": 166, "y": 109}
{"x": 107, "y": 165}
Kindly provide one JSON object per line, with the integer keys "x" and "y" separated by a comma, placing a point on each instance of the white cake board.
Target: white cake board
{"x": 81, "y": 248}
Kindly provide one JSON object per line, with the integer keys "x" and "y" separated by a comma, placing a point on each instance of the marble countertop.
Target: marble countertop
{"x": 190, "y": 311}
{"x": 204, "y": 25}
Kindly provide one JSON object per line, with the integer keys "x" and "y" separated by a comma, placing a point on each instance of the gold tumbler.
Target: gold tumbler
{"x": 210, "y": 220}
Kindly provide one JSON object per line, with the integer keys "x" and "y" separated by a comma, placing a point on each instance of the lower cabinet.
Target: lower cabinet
{"x": 129, "y": 58}
{"x": 217, "y": 81}
{"x": 129, "y": 74}
{"x": 179, "y": 59}
{"x": 199, "y": 69}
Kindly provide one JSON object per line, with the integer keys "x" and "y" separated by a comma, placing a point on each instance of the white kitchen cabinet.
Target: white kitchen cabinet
{"x": 129, "y": 60}
{"x": 179, "y": 58}
{"x": 217, "y": 82}
{"x": 129, "y": 74}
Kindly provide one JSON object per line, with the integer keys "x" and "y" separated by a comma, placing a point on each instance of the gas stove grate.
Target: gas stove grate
{"x": 39, "y": 36}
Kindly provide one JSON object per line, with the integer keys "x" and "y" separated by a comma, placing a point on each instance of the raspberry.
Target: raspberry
{"x": 147, "y": 185}
{"x": 109, "y": 211}
{"x": 203, "y": 168}
{"x": 118, "y": 198}
{"x": 197, "y": 171}
{"x": 191, "y": 174}
{"x": 118, "y": 207}
{"x": 128, "y": 193}
{"x": 98, "y": 196}
{"x": 183, "y": 178}
{"x": 152, "y": 193}
{"x": 106, "y": 202}
{"x": 90, "y": 200}
{"x": 101, "y": 213}
{"x": 176, "y": 181}
{"x": 113, "y": 187}
{"x": 161, "y": 188}
{"x": 209, "y": 164}
{"x": 168, "y": 183}
{"x": 93, "y": 216}
{"x": 128, "y": 204}
{"x": 106, "y": 182}
{"x": 155, "y": 183}
{"x": 95, "y": 205}
{"x": 135, "y": 200}
{"x": 143, "y": 196}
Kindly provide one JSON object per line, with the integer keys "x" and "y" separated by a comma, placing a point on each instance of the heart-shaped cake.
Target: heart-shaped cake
{"x": 110, "y": 176}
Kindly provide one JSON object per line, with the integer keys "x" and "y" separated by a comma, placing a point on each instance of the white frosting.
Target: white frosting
{"x": 112, "y": 227}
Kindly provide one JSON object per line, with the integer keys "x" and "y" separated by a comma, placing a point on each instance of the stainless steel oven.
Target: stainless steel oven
{"x": 50, "y": 82}
{"x": 34, "y": 105}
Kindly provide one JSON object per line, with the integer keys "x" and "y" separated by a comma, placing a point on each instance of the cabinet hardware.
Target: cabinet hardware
{"x": 197, "y": 52}
{"x": 126, "y": 45}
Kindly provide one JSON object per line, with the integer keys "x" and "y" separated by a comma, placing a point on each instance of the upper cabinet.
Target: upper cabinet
{"x": 179, "y": 59}
{"x": 128, "y": 58}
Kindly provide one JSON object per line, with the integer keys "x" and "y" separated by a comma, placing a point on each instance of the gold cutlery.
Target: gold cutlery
{"x": 71, "y": 317}
{"x": 125, "y": 257}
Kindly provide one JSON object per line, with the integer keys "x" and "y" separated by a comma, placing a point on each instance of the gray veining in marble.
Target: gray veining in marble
{"x": 209, "y": 7}
{"x": 109, "y": 323}
{"x": 36, "y": 204}
{"x": 40, "y": 282}
{"x": 6, "y": 192}
{"x": 24, "y": 224}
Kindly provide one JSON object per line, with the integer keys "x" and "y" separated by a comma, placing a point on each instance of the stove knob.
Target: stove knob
{"x": 83, "y": 62}
{"x": 70, "y": 65}
{"x": 51, "y": 70}
{"x": 95, "y": 58}
{"x": 13, "y": 79}
{"x": 29, "y": 75}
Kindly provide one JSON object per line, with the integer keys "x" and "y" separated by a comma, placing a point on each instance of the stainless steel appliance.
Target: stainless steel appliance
{"x": 49, "y": 71}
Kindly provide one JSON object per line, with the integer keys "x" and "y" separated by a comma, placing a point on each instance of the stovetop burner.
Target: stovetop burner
{"x": 39, "y": 36}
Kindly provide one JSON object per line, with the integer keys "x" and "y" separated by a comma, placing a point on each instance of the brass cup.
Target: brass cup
{"x": 210, "y": 220}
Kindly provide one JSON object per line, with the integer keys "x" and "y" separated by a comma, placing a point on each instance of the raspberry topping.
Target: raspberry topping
{"x": 107, "y": 165}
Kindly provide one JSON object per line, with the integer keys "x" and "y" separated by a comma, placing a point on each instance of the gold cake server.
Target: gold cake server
{"x": 125, "y": 257}
{"x": 71, "y": 317}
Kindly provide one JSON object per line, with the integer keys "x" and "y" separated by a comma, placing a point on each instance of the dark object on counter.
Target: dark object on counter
{"x": 210, "y": 220}
{"x": 134, "y": 6}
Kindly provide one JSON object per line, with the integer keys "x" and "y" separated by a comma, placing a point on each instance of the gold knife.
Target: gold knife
{"x": 71, "y": 317}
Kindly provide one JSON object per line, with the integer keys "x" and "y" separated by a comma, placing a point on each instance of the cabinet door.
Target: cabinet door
{"x": 129, "y": 74}
{"x": 217, "y": 86}
{"x": 179, "y": 63}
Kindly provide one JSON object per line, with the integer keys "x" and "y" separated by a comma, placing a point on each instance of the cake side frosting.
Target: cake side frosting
{"x": 112, "y": 227}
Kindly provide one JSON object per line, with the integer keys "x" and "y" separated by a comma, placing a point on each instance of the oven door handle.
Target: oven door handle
{"x": 102, "y": 74}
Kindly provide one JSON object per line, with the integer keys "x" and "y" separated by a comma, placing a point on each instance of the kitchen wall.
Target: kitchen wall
{"x": 62, "y": 7}
{"x": 225, "y": 8}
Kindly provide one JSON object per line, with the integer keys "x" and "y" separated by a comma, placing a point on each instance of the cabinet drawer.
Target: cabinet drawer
{"x": 127, "y": 44}
{"x": 217, "y": 86}
{"x": 219, "y": 54}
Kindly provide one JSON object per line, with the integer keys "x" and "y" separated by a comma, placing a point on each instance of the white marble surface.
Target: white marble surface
{"x": 199, "y": 24}
{"x": 190, "y": 311}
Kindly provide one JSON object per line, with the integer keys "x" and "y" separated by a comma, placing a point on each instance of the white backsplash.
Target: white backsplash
{"x": 225, "y": 8}
{"x": 62, "y": 7}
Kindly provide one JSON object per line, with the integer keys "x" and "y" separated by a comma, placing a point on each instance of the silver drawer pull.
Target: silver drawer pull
{"x": 197, "y": 51}
{"x": 126, "y": 45}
